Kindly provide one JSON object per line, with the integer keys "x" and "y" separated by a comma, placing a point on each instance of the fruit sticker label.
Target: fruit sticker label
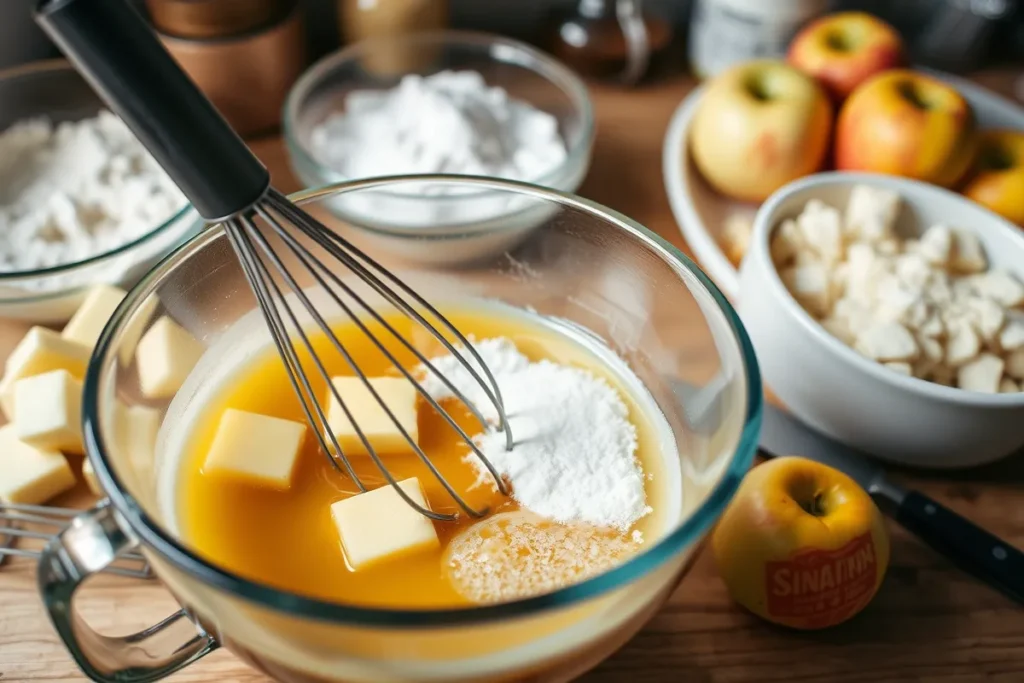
{"x": 823, "y": 587}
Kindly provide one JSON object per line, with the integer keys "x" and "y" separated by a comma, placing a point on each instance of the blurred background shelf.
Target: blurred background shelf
{"x": 952, "y": 35}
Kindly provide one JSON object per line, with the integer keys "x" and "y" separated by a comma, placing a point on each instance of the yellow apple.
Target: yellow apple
{"x": 843, "y": 50}
{"x": 801, "y": 544}
{"x": 997, "y": 180}
{"x": 908, "y": 124}
{"x": 759, "y": 126}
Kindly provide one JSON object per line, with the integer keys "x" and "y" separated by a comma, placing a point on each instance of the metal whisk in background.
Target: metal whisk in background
{"x": 123, "y": 60}
{"x": 42, "y": 522}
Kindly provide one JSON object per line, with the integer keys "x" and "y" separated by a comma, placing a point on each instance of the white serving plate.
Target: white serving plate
{"x": 700, "y": 212}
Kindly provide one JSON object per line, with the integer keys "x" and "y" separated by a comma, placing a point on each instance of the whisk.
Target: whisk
{"x": 42, "y": 522}
{"x": 110, "y": 44}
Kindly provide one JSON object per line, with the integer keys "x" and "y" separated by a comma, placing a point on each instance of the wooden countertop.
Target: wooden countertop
{"x": 929, "y": 622}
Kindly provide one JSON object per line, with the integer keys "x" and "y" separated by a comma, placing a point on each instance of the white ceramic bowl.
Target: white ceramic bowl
{"x": 849, "y": 397}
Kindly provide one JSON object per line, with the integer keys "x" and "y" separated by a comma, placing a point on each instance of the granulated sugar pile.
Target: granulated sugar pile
{"x": 516, "y": 554}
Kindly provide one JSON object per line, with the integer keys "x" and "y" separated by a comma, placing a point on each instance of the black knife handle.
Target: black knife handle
{"x": 969, "y": 547}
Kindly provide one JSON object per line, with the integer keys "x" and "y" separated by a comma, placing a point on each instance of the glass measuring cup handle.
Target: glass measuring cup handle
{"x": 91, "y": 542}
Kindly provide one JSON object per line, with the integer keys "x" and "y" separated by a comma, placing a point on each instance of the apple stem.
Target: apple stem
{"x": 912, "y": 94}
{"x": 817, "y": 505}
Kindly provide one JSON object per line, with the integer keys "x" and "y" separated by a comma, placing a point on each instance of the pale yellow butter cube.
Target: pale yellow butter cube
{"x": 91, "y": 317}
{"x": 164, "y": 357}
{"x": 41, "y": 350}
{"x": 256, "y": 448}
{"x": 134, "y": 328}
{"x": 135, "y": 434}
{"x": 30, "y": 475}
{"x": 48, "y": 411}
{"x": 384, "y": 437}
{"x": 89, "y": 474}
{"x": 137, "y": 428}
{"x": 379, "y": 525}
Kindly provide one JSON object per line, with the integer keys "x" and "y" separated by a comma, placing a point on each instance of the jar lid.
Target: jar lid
{"x": 215, "y": 18}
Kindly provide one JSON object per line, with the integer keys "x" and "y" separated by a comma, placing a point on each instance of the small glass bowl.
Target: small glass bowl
{"x": 409, "y": 222}
{"x": 54, "y": 90}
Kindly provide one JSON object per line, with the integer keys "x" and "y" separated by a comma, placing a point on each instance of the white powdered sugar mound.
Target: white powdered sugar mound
{"x": 574, "y": 457}
{"x": 72, "y": 190}
{"x": 449, "y": 122}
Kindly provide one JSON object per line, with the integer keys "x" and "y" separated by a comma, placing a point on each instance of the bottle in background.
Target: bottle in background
{"x": 609, "y": 39}
{"x": 727, "y": 32}
{"x": 368, "y": 19}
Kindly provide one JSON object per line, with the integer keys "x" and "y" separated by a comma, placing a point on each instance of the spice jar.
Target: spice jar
{"x": 367, "y": 19}
{"x": 610, "y": 39}
{"x": 243, "y": 54}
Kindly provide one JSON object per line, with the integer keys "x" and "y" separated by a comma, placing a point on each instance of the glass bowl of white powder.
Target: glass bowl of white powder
{"x": 81, "y": 201}
{"x": 448, "y": 102}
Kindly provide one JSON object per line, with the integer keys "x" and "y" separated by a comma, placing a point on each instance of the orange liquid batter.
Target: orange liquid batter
{"x": 288, "y": 540}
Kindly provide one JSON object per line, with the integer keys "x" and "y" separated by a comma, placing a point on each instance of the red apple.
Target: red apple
{"x": 844, "y": 50}
{"x": 758, "y": 126}
{"x": 908, "y": 124}
{"x": 997, "y": 180}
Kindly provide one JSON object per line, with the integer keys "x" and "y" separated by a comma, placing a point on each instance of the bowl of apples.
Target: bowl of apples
{"x": 844, "y": 99}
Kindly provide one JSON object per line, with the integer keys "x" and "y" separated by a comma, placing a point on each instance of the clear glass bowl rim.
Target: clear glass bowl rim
{"x": 150, "y": 534}
{"x": 536, "y": 60}
{"x": 51, "y": 66}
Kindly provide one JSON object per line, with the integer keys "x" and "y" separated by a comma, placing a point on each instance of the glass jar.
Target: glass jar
{"x": 364, "y": 19}
{"x": 610, "y": 39}
{"x": 727, "y": 32}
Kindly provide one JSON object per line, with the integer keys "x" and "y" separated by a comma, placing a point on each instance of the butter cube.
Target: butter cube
{"x": 379, "y": 525}
{"x": 257, "y": 448}
{"x": 41, "y": 350}
{"x": 30, "y": 475}
{"x": 135, "y": 434}
{"x": 48, "y": 411}
{"x": 399, "y": 395}
{"x": 89, "y": 474}
{"x": 91, "y": 317}
{"x": 134, "y": 328}
{"x": 137, "y": 428}
{"x": 164, "y": 357}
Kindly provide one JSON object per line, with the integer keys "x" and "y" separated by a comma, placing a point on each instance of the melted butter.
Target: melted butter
{"x": 288, "y": 540}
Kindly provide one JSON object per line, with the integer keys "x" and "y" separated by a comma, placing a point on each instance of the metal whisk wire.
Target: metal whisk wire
{"x": 42, "y": 522}
{"x": 110, "y": 43}
{"x": 259, "y": 258}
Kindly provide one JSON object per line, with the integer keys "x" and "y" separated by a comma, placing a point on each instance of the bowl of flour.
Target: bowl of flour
{"x": 458, "y": 104}
{"x": 81, "y": 201}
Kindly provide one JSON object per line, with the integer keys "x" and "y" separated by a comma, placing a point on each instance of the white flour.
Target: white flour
{"x": 75, "y": 190}
{"x": 574, "y": 458}
{"x": 450, "y": 122}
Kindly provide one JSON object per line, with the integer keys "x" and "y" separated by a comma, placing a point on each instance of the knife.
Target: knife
{"x": 970, "y": 547}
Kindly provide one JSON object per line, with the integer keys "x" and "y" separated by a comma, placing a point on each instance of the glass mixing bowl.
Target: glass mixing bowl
{"x": 54, "y": 90}
{"x": 586, "y": 269}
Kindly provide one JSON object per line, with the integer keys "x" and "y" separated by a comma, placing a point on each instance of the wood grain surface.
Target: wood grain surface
{"x": 929, "y": 622}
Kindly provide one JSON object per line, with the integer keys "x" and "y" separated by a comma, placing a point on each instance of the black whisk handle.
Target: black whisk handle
{"x": 117, "y": 52}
